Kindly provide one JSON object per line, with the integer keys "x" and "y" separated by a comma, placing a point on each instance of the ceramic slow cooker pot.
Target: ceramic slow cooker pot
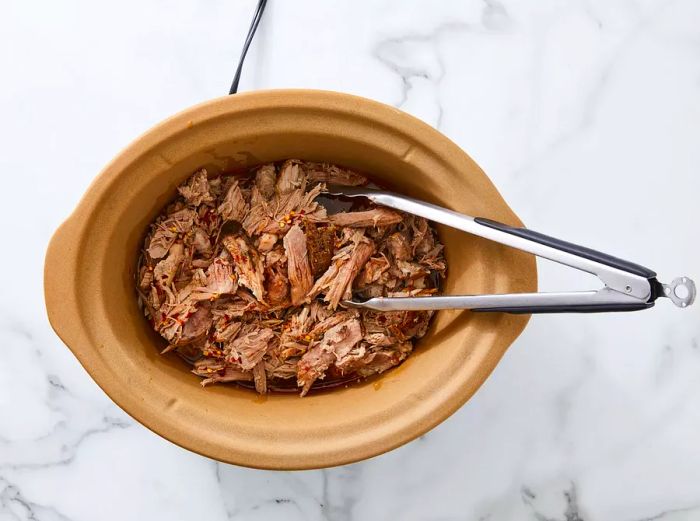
{"x": 91, "y": 299}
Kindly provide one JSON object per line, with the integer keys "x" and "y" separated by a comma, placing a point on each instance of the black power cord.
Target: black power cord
{"x": 251, "y": 32}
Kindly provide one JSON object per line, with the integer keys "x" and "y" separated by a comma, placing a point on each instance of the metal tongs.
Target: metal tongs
{"x": 628, "y": 286}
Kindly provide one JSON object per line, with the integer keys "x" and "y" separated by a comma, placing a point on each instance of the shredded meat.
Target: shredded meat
{"x": 244, "y": 277}
{"x": 340, "y": 287}
{"x": 287, "y": 207}
{"x": 399, "y": 247}
{"x": 276, "y": 285}
{"x": 201, "y": 242}
{"x": 196, "y": 326}
{"x": 374, "y": 270}
{"x": 299, "y": 271}
{"x": 265, "y": 180}
{"x": 336, "y": 343}
{"x": 260, "y": 377}
{"x": 290, "y": 177}
{"x": 375, "y": 217}
{"x": 233, "y": 207}
{"x": 167, "y": 230}
{"x": 247, "y": 263}
{"x": 250, "y": 346}
{"x": 165, "y": 270}
{"x": 196, "y": 189}
{"x": 334, "y": 175}
{"x": 221, "y": 373}
{"x": 267, "y": 241}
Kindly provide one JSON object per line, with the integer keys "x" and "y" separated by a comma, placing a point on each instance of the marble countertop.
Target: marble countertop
{"x": 585, "y": 114}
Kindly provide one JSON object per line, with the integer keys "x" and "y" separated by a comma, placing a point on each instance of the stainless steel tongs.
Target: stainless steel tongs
{"x": 628, "y": 286}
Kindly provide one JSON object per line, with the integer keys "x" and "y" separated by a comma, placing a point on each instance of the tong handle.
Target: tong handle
{"x": 570, "y": 308}
{"x": 575, "y": 249}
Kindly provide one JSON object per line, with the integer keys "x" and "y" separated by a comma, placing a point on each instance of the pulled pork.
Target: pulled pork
{"x": 245, "y": 275}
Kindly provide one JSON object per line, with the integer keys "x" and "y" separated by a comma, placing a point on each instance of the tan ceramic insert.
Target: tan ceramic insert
{"x": 91, "y": 303}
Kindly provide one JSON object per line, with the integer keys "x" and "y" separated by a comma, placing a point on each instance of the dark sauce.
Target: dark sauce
{"x": 289, "y": 385}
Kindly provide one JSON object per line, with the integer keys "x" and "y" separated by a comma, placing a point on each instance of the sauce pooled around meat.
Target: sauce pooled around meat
{"x": 243, "y": 275}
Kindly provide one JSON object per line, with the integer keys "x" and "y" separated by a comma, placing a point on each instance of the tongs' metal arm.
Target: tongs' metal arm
{"x": 622, "y": 278}
{"x": 615, "y": 273}
{"x": 573, "y": 301}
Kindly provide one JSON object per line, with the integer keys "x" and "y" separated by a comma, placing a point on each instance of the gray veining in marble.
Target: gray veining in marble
{"x": 584, "y": 113}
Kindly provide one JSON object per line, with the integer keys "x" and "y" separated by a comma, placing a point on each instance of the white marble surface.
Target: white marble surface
{"x": 586, "y": 114}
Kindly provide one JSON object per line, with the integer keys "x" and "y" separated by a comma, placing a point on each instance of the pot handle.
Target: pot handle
{"x": 60, "y": 266}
